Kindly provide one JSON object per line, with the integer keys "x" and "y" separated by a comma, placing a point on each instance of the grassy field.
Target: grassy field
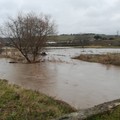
{"x": 61, "y": 37}
{"x": 110, "y": 58}
{"x": 20, "y": 104}
{"x": 65, "y": 38}
{"x": 112, "y": 115}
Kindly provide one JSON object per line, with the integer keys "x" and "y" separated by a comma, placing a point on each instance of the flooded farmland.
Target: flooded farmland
{"x": 81, "y": 84}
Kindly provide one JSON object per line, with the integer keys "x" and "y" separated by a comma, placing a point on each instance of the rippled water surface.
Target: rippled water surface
{"x": 81, "y": 84}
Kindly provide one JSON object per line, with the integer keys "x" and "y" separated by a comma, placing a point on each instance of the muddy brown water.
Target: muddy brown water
{"x": 81, "y": 84}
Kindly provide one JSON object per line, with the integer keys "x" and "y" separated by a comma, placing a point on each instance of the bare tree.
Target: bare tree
{"x": 0, "y": 47}
{"x": 28, "y": 33}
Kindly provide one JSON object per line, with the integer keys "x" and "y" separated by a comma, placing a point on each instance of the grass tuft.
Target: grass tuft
{"x": 20, "y": 104}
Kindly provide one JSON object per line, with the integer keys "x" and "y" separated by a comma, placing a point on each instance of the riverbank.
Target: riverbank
{"x": 110, "y": 58}
{"x": 106, "y": 111}
{"x": 113, "y": 114}
{"x": 17, "y": 103}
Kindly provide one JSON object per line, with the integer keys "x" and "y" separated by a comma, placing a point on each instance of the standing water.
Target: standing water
{"x": 81, "y": 84}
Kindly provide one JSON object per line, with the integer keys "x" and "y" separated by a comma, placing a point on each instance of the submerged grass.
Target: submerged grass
{"x": 111, "y": 115}
{"x": 109, "y": 58}
{"x": 20, "y": 104}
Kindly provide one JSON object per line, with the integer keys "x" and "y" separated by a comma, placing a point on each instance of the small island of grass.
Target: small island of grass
{"x": 20, "y": 104}
{"x": 110, "y": 58}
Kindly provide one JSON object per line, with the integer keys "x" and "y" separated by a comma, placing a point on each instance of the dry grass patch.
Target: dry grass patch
{"x": 109, "y": 58}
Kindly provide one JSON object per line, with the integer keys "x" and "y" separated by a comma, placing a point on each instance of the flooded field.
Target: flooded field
{"x": 81, "y": 84}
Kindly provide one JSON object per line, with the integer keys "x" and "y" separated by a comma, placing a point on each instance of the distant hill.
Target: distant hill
{"x": 75, "y": 40}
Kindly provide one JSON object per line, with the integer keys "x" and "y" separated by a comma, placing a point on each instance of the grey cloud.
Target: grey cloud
{"x": 72, "y": 16}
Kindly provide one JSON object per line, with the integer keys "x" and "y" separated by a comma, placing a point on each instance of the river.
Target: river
{"x": 81, "y": 84}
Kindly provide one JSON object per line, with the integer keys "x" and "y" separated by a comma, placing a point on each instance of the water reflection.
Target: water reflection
{"x": 79, "y": 83}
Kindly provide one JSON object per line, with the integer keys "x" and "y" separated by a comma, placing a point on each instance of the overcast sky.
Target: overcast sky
{"x": 71, "y": 16}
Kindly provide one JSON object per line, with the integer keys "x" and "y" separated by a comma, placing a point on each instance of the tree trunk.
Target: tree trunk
{"x": 28, "y": 60}
{"x": 25, "y": 56}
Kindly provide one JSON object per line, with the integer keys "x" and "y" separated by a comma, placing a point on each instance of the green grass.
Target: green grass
{"x": 65, "y": 37}
{"x": 110, "y": 58}
{"x": 20, "y": 104}
{"x": 112, "y": 115}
